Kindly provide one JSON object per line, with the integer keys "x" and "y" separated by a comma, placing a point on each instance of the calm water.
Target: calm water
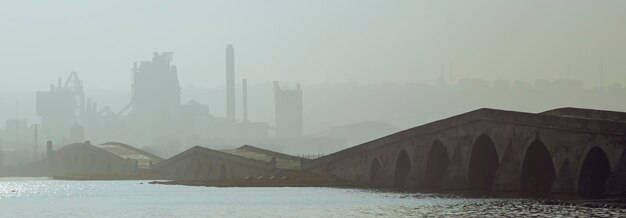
{"x": 55, "y": 198}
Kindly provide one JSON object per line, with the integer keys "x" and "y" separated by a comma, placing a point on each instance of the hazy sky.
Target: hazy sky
{"x": 312, "y": 41}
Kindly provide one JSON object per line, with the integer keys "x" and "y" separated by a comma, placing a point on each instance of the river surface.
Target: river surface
{"x": 41, "y": 197}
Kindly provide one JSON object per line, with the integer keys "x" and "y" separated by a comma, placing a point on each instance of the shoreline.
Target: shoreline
{"x": 605, "y": 201}
{"x": 291, "y": 181}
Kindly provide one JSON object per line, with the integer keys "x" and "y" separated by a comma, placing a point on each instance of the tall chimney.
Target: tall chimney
{"x": 245, "y": 100}
{"x": 230, "y": 82}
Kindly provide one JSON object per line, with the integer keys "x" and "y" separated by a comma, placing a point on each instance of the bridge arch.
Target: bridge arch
{"x": 594, "y": 172}
{"x": 483, "y": 163}
{"x": 537, "y": 173}
{"x": 437, "y": 163}
{"x": 374, "y": 172}
{"x": 401, "y": 170}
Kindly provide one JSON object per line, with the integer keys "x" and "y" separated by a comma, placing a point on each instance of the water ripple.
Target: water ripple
{"x": 40, "y": 197}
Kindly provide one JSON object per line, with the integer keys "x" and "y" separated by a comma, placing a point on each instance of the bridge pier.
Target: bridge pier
{"x": 616, "y": 183}
{"x": 456, "y": 173}
{"x": 565, "y": 179}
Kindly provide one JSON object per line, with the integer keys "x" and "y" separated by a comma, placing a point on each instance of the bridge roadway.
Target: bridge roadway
{"x": 566, "y": 150}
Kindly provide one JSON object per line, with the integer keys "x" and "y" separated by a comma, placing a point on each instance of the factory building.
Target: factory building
{"x": 157, "y": 119}
{"x": 110, "y": 160}
{"x": 288, "y": 107}
{"x": 56, "y": 108}
{"x": 155, "y": 94}
{"x": 61, "y": 106}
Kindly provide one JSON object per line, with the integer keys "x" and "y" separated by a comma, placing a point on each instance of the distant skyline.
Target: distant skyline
{"x": 313, "y": 41}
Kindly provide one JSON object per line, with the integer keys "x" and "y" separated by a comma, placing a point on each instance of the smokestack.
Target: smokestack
{"x": 245, "y": 100}
{"x": 230, "y": 82}
{"x": 60, "y": 84}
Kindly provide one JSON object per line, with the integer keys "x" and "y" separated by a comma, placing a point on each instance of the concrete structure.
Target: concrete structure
{"x": 155, "y": 94}
{"x": 56, "y": 108}
{"x": 289, "y": 115}
{"x": 282, "y": 161}
{"x": 143, "y": 159}
{"x": 199, "y": 163}
{"x": 565, "y": 150}
{"x": 59, "y": 107}
{"x": 85, "y": 161}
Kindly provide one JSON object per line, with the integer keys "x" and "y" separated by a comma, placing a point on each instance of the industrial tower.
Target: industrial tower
{"x": 230, "y": 82}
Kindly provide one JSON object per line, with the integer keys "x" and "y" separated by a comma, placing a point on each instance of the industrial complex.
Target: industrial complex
{"x": 155, "y": 114}
{"x": 566, "y": 150}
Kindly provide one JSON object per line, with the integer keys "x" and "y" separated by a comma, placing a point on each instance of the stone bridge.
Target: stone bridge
{"x": 565, "y": 150}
